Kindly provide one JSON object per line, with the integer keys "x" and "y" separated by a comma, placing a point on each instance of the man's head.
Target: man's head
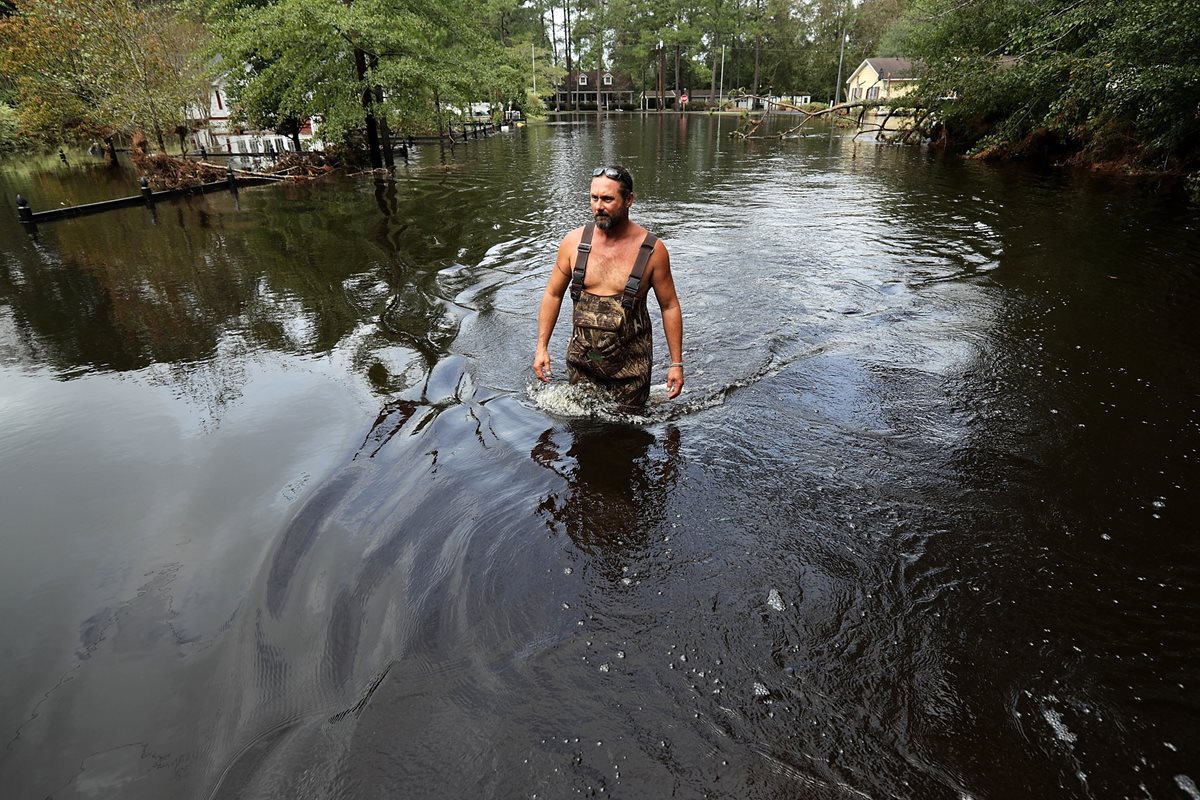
{"x": 612, "y": 195}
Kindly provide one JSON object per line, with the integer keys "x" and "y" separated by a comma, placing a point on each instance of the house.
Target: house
{"x": 650, "y": 99}
{"x": 217, "y": 133}
{"x": 580, "y": 90}
{"x": 882, "y": 79}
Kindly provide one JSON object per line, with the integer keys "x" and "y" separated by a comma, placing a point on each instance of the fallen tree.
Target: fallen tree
{"x": 752, "y": 122}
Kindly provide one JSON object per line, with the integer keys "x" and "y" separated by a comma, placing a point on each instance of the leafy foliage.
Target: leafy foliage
{"x": 10, "y": 139}
{"x": 1094, "y": 81}
{"x": 89, "y": 67}
{"x": 418, "y": 58}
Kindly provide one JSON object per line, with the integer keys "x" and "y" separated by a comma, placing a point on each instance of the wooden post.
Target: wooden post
{"x": 229, "y": 177}
{"x": 25, "y": 214}
{"x": 147, "y": 192}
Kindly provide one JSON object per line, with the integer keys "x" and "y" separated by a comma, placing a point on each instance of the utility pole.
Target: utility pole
{"x": 837, "y": 90}
{"x": 533, "y": 66}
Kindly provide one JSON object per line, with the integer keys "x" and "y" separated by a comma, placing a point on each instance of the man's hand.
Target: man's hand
{"x": 674, "y": 382}
{"x": 541, "y": 365}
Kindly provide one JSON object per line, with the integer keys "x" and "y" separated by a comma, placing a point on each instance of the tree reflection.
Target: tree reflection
{"x": 619, "y": 478}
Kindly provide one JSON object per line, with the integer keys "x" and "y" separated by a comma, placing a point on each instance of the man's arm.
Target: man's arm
{"x": 672, "y": 316}
{"x": 552, "y": 298}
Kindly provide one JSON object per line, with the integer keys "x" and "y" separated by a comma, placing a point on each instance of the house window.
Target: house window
{"x": 217, "y": 92}
{"x": 856, "y": 93}
{"x": 873, "y": 93}
{"x": 608, "y": 80}
{"x": 583, "y": 80}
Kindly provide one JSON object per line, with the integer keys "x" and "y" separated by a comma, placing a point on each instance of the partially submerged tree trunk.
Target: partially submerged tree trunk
{"x": 678, "y": 105}
{"x": 385, "y": 134}
{"x": 360, "y": 66}
{"x": 572, "y": 97}
{"x": 712, "y": 85}
{"x": 437, "y": 111}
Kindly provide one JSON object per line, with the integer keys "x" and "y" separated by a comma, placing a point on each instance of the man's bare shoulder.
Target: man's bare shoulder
{"x": 572, "y": 239}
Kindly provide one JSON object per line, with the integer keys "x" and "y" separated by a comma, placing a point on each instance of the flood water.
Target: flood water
{"x": 283, "y": 516}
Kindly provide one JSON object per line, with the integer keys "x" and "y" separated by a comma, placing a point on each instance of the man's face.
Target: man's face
{"x": 609, "y": 208}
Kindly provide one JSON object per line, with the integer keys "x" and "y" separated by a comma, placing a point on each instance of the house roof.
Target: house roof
{"x": 889, "y": 69}
{"x": 896, "y": 69}
{"x": 619, "y": 83}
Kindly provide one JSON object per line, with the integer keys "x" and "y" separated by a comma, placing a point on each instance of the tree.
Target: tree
{"x": 1100, "y": 81}
{"x": 100, "y": 66}
{"x": 356, "y": 64}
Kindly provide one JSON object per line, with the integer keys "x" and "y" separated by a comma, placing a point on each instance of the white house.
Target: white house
{"x": 218, "y": 134}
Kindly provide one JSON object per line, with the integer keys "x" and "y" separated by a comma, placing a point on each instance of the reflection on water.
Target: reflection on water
{"x": 617, "y": 488}
{"x": 283, "y": 516}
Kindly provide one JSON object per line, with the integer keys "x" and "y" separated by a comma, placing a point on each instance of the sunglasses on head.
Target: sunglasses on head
{"x": 612, "y": 173}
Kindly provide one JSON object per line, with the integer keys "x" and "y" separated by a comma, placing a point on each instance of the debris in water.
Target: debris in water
{"x": 774, "y": 600}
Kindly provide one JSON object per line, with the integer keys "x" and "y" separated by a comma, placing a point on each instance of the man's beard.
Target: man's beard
{"x": 605, "y": 221}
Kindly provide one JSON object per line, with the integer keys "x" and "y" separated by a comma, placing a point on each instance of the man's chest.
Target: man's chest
{"x": 608, "y": 269}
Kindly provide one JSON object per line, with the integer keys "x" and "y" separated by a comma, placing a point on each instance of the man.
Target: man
{"x": 610, "y": 265}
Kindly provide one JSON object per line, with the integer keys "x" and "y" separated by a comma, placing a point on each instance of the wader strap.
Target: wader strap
{"x": 585, "y": 247}
{"x": 634, "y": 284}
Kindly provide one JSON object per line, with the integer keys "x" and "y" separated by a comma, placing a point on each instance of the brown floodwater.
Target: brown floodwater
{"x": 283, "y": 513}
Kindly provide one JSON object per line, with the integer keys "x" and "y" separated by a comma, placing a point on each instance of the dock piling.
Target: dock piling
{"x": 25, "y": 214}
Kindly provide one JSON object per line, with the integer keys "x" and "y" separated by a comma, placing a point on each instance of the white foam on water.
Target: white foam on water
{"x": 1188, "y": 785}
{"x": 572, "y": 400}
{"x": 1056, "y": 723}
{"x": 775, "y": 600}
{"x": 563, "y": 399}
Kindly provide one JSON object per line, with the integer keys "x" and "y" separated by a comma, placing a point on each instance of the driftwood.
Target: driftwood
{"x": 382, "y": 172}
{"x": 171, "y": 172}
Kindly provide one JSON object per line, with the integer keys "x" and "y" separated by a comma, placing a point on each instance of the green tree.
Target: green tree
{"x": 362, "y": 63}
{"x": 1096, "y": 81}
{"x": 101, "y": 66}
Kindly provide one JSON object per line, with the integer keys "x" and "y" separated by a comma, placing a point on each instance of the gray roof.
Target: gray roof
{"x": 621, "y": 83}
{"x": 894, "y": 68}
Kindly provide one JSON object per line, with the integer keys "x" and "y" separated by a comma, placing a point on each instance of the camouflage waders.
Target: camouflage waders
{"x": 611, "y": 342}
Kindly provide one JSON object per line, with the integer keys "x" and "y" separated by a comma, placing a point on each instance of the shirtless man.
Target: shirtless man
{"x": 611, "y": 339}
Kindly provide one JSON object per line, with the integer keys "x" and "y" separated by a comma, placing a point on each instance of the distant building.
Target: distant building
{"x": 219, "y": 134}
{"x": 585, "y": 89}
{"x": 650, "y": 99}
{"x": 882, "y": 79}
